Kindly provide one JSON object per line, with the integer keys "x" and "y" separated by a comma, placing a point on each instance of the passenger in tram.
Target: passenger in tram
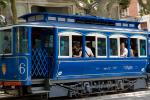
{"x": 77, "y": 50}
{"x": 88, "y": 51}
{"x": 123, "y": 50}
{"x": 131, "y": 52}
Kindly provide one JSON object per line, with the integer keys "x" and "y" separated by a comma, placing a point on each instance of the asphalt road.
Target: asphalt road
{"x": 138, "y": 95}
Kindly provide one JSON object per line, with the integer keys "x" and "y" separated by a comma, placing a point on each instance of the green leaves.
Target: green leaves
{"x": 89, "y": 1}
{"x": 145, "y": 4}
{"x": 3, "y": 3}
{"x": 124, "y": 3}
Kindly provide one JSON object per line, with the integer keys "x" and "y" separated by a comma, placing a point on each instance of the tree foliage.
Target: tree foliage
{"x": 145, "y": 7}
{"x": 3, "y": 3}
{"x": 124, "y": 3}
{"x": 14, "y": 11}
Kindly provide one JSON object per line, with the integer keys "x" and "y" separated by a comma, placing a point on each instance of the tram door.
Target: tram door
{"x": 42, "y": 52}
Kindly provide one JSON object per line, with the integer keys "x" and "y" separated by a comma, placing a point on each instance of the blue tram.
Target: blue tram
{"x": 38, "y": 55}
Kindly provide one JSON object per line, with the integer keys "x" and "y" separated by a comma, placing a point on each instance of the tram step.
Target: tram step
{"x": 38, "y": 81}
{"x": 36, "y": 90}
{"x": 39, "y": 86}
{"x": 40, "y": 92}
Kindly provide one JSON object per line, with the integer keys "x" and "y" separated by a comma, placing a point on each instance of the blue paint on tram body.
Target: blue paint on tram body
{"x": 42, "y": 48}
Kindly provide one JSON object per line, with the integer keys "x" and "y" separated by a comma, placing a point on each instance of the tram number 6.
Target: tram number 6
{"x": 22, "y": 68}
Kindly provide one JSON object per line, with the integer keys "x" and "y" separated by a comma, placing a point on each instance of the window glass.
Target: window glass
{"x": 143, "y": 47}
{"x": 101, "y": 46}
{"x": 22, "y": 40}
{"x": 134, "y": 47}
{"x": 5, "y": 41}
{"x": 76, "y": 46}
{"x": 64, "y": 45}
{"x": 149, "y": 47}
{"x": 113, "y": 47}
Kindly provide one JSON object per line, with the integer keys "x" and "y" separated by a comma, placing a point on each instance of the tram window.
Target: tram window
{"x": 90, "y": 43}
{"x": 134, "y": 46}
{"x": 76, "y": 46}
{"x": 64, "y": 45}
{"x": 101, "y": 46}
{"x": 113, "y": 47}
{"x": 5, "y": 41}
{"x": 22, "y": 40}
{"x": 123, "y": 47}
{"x": 149, "y": 47}
{"x": 142, "y": 47}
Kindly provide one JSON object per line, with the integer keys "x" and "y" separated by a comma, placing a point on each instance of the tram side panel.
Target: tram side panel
{"x": 101, "y": 68}
{"x": 15, "y": 69}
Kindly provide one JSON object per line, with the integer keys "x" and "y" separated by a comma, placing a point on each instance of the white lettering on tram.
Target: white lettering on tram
{"x": 22, "y": 68}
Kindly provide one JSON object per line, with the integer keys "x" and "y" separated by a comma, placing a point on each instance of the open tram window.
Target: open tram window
{"x": 76, "y": 46}
{"x": 22, "y": 40}
{"x": 67, "y": 41}
{"x": 134, "y": 46}
{"x": 5, "y": 41}
{"x": 138, "y": 44}
{"x": 36, "y": 41}
{"x": 90, "y": 46}
{"x": 123, "y": 47}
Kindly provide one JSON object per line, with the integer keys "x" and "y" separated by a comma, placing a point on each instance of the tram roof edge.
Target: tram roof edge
{"x": 32, "y": 17}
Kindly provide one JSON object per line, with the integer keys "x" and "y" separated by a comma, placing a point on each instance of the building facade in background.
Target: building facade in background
{"x": 63, "y": 7}
{"x": 71, "y": 7}
{"x": 133, "y": 13}
{"x": 51, "y": 6}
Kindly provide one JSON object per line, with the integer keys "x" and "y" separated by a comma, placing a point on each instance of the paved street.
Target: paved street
{"x": 140, "y": 95}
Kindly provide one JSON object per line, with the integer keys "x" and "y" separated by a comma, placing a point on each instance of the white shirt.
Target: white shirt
{"x": 88, "y": 52}
{"x": 124, "y": 52}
